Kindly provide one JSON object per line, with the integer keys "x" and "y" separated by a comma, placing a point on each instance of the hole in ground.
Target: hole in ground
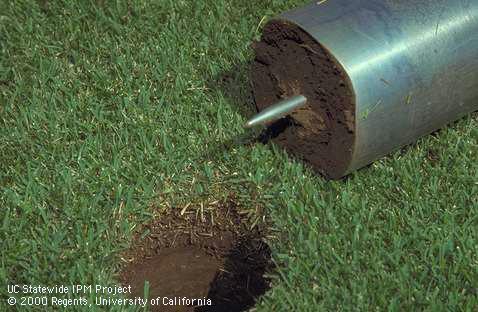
{"x": 212, "y": 260}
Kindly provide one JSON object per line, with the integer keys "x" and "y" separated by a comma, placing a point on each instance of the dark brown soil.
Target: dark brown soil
{"x": 290, "y": 62}
{"x": 213, "y": 256}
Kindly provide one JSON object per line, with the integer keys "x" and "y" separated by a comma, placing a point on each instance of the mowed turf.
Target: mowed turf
{"x": 113, "y": 112}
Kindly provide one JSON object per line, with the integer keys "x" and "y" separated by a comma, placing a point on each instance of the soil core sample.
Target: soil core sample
{"x": 290, "y": 62}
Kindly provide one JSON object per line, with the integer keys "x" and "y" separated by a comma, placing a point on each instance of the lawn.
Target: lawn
{"x": 114, "y": 112}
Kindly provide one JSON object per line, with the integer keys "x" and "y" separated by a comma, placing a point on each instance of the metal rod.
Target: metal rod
{"x": 277, "y": 111}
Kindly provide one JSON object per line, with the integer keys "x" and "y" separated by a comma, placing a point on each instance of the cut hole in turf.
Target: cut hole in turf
{"x": 214, "y": 259}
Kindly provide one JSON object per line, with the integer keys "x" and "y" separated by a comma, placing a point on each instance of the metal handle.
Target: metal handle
{"x": 276, "y": 111}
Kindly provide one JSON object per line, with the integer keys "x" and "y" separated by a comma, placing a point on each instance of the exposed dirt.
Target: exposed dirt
{"x": 290, "y": 62}
{"x": 210, "y": 256}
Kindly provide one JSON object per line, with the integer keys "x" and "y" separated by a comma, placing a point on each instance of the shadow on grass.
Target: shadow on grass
{"x": 235, "y": 84}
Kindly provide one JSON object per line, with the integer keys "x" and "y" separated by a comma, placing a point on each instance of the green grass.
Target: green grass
{"x": 109, "y": 114}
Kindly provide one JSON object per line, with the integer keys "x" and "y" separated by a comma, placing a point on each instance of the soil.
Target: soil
{"x": 290, "y": 62}
{"x": 214, "y": 256}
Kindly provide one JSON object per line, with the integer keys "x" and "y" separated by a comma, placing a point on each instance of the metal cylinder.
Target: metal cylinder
{"x": 377, "y": 75}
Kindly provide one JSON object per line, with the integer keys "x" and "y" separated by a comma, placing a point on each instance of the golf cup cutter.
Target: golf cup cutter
{"x": 345, "y": 82}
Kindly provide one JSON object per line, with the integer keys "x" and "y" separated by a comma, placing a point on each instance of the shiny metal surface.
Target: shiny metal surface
{"x": 276, "y": 111}
{"x": 413, "y": 64}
